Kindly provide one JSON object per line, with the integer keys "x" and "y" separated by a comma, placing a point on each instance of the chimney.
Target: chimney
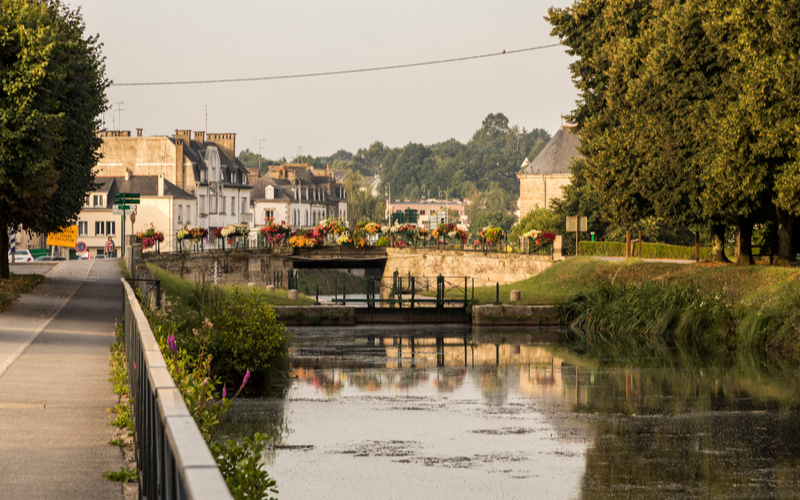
{"x": 252, "y": 173}
{"x": 200, "y": 136}
{"x": 138, "y": 132}
{"x": 226, "y": 142}
{"x": 160, "y": 185}
{"x": 127, "y": 174}
{"x": 179, "y": 174}
{"x": 186, "y": 135}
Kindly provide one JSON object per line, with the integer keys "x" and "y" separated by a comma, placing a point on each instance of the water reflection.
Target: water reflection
{"x": 452, "y": 413}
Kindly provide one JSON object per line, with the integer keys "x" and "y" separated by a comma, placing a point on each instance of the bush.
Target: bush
{"x": 240, "y": 465}
{"x": 245, "y": 335}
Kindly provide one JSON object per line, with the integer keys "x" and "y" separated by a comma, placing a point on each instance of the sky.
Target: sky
{"x": 177, "y": 40}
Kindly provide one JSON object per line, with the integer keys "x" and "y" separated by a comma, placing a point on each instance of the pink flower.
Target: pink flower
{"x": 246, "y": 378}
{"x": 171, "y": 344}
{"x": 224, "y": 392}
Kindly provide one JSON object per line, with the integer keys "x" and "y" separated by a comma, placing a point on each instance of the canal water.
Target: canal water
{"x": 452, "y": 413}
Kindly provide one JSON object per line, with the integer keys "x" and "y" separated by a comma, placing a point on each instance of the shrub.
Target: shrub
{"x": 649, "y": 250}
{"x": 240, "y": 464}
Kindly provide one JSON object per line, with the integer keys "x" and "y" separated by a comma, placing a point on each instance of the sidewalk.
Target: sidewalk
{"x": 54, "y": 389}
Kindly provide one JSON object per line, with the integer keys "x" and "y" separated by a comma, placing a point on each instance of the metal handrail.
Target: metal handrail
{"x": 173, "y": 459}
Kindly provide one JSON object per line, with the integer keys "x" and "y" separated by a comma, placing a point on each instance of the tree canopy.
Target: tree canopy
{"x": 52, "y": 82}
{"x": 688, "y": 109}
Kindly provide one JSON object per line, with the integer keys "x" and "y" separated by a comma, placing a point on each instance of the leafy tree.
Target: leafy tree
{"x": 492, "y": 218}
{"x": 540, "y": 219}
{"x": 53, "y": 87}
{"x": 361, "y": 205}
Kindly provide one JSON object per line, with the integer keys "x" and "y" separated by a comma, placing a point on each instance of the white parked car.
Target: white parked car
{"x": 21, "y": 256}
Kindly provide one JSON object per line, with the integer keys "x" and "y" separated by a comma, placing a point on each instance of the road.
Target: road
{"x": 54, "y": 389}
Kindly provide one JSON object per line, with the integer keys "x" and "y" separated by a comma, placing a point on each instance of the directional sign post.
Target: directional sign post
{"x": 122, "y": 203}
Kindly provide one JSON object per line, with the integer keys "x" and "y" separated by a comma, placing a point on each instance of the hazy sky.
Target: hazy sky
{"x": 147, "y": 41}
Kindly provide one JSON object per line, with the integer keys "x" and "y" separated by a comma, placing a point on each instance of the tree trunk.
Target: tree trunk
{"x": 4, "y": 272}
{"x": 786, "y": 253}
{"x": 744, "y": 242}
{"x": 718, "y": 243}
{"x": 697, "y": 246}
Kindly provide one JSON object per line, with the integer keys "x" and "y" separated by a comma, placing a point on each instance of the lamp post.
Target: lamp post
{"x": 446, "y": 215}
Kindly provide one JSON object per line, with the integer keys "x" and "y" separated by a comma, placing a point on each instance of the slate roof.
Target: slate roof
{"x": 146, "y": 185}
{"x": 195, "y": 151}
{"x": 557, "y": 155}
{"x": 283, "y": 188}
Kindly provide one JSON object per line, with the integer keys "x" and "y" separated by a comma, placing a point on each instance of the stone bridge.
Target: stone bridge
{"x": 259, "y": 266}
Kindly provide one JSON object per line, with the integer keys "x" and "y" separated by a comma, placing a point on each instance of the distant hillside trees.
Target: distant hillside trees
{"x": 484, "y": 169}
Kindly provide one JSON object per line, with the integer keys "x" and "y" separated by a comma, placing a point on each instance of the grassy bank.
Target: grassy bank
{"x": 175, "y": 286}
{"x": 713, "y": 306}
{"x": 15, "y": 285}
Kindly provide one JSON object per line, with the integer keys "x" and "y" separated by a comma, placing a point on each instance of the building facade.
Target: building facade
{"x": 204, "y": 166}
{"x": 543, "y": 180}
{"x": 298, "y": 195}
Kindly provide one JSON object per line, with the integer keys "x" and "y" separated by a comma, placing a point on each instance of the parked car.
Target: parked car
{"x": 49, "y": 258}
{"x": 21, "y": 256}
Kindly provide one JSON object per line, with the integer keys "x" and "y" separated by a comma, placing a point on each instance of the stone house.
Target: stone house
{"x": 542, "y": 180}
{"x": 202, "y": 166}
{"x": 162, "y": 204}
{"x": 298, "y": 195}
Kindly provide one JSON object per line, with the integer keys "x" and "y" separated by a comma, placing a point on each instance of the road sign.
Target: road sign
{"x": 80, "y": 246}
{"x": 66, "y": 238}
{"x": 575, "y": 223}
{"x": 123, "y": 207}
{"x": 126, "y": 198}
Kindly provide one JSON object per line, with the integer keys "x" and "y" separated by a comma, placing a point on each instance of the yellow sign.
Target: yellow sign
{"x": 66, "y": 238}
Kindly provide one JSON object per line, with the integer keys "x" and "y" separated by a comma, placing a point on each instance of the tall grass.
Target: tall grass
{"x": 656, "y": 316}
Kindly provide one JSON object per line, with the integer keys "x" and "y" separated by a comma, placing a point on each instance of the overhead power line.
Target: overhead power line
{"x": 333, "y": 73}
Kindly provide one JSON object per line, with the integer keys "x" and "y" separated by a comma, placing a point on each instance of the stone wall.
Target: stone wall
{"x": 233, "y": 267}
{"x": 486, "y": 267}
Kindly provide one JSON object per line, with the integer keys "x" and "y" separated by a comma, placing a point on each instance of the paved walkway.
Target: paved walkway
{"x": 54, "y": 389}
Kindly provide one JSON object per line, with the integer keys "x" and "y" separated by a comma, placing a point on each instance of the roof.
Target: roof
{"x": 282, "y": 188}
{"x": 557, "y": 155}
{"x": 146, "y": 185}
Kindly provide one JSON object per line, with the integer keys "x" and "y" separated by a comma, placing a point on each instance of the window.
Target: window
{"x": 188, "y": 215}
{"x": 111, "y": 227}
{"x": 244, "y": 205}
{"x": 233, "y": 205}
{"x": 97, "y": 200}
{"x": 180, "y": 213}
{"x": 83, "y": 228}
{"x": 86, "y": 201}
{"x": 269, "y": 214}
{"x": 213, "y": 200}
{"x": 99, "y": 228}
{"x": 224, "y": 200}
{"x": 203, "y": 176}
{"x": 202, "y": 203}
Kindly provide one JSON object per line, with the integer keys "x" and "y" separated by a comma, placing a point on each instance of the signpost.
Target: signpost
{"x": 578, "y": 224}
{"x": 122, "y": 204}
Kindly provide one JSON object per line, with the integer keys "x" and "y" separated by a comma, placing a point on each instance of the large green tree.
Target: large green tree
{"x": 52, "y": 83}
{"x": 688, "y": 110}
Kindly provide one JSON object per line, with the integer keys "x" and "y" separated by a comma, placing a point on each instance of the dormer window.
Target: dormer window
{"x": 269, "y": 193}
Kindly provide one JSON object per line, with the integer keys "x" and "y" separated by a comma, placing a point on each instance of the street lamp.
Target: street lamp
{"x": 446, "y": 216}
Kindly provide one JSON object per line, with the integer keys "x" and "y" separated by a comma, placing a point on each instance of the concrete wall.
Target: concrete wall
{"x": 233, "y": 267}
{"x": 486, "y": 268}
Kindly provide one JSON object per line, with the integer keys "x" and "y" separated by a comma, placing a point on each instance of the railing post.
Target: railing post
{"x": 413, "y": 291}
{"x": 497, "y": 294}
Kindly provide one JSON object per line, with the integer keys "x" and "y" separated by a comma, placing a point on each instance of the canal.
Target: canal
{"x": 452, "y": 413}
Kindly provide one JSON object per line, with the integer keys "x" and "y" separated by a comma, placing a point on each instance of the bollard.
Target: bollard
{"x": 316, "y": 301}
{"x": 515, "y": 295}
{"x": 497, "y": 294}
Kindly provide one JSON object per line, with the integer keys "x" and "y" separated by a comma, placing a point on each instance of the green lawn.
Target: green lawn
{"x": 584, "y": 274}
